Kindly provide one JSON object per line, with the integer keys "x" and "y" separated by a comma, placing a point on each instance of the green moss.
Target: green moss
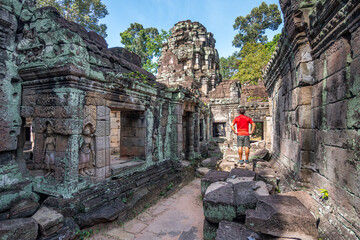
{"x": 219, "y": 212}
{"x": 210, "y": 234}
{"x": 353, "y": 113}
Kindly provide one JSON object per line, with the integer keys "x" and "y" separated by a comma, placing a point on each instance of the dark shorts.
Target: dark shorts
{"x": 243, "y": 141}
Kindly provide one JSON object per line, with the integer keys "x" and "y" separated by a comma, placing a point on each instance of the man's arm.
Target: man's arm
{"x": 233, "y": 128}
{"x": 253, "y": 126}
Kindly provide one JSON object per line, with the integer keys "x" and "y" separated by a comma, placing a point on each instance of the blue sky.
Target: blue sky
{"x": 218, "y": 16}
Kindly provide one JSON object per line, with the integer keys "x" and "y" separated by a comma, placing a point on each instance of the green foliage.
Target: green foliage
{"x": 253, "y": 59}
{"x": 84, "y": 234}
{"x": 145, "y": 42}
{"x": 124, "y": 200}
{"x": 171, "y": 185}
{"x": 324, "y": 194}
{"x": 252, "y": 27}
{"x": 229, "y": 65}
{"x": 272, "y": 44}
{"x": 84, "y": 12}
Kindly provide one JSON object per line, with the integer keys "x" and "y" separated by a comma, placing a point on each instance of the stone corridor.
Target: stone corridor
{"x": 177, "y": 217}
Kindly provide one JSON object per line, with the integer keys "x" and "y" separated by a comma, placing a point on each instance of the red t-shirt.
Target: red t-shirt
{"x": 242, "y": 124}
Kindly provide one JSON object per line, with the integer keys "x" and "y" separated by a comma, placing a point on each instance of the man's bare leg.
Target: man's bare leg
{"x": 247, "y": 153}
{"x": 240, "y": 151}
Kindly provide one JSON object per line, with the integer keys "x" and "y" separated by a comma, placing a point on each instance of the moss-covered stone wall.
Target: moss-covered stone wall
{"x": 313, "y": 80}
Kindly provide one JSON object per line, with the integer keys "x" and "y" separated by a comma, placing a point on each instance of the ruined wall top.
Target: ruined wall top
{"x": 246, "y": 94}
{"x": 189, "y": 58}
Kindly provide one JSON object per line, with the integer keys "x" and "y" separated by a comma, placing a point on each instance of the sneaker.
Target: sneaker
{"x": 241, "y": 162}
{"x": 247, "y": 161}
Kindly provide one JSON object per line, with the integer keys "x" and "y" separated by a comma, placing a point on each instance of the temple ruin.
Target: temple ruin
{"x": 313, "y": 82}
{"x": 87, "y": 136}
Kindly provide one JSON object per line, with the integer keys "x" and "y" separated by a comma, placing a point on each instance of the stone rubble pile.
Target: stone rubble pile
{"x": 238, "y": 206}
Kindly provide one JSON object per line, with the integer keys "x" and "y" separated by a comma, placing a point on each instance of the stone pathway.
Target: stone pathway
{"x": 179, "y": 217}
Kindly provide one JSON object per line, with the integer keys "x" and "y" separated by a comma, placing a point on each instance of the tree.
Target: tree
{"x": 253, "y": 59}
{"x": 252, "y": 27}
{"x": 229, "y": 65}
{"x": 145, "y": 42}
{"x": 84, "y": 12}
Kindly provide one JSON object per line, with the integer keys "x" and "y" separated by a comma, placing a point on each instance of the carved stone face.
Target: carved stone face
{"x": 87, "y": 130}
{"x": 49, "y": 129}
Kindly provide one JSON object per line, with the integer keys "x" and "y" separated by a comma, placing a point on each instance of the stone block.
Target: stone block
{"x": 303, "y": 116}
{"x": 240, "y": 175}
{"x": 102, "y": 143}
{"x": 355, "y": 43}
{"x": 320, "y": 66}
{"x": 317, "y": 94}
{"x": 106, "y": 213}
{"x": 339, "y": 166}
{"x": 211, "y": 177}
{"x": 317, "y": 117}
{"x": 336, "y": 87}
{"x": 50, "y": 221}
{"x": 335, "y": 115}
{"x": 219, "y": 202}
{"x": 23, "y": 209}
{"x": 282, "y": 216}
{"x": 353, "y": 113}
{"x": 114, "y": 141}
{"x": 102, "y": 113}
{"x": 22, "y": 228}
{"x": 354, "y": 81}
{"x": 263, "y": 154}
{"x": 307, "y": 139}
{"x": 100, "y": 172}
{"x": 246, "y": 195}
{"x": 201, "y": 171}
{"x": 306, "y": 73}
{"x": 304, "y": 95}
{"x": 337, "y": 56}
{"x": 234, "y": 231}
{"x": 67, "y": 207}
{"x": 102, "y": 128}
{"x": 101, "y": 158}
{"x": 209, "y": 162}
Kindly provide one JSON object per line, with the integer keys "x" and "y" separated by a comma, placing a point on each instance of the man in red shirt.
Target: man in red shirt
{"x": 242, "y": 132}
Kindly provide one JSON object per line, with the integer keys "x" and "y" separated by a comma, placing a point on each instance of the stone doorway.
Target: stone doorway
{"x": 127, "y": 139}
{"x": 219, "y": 129}
{"x": 259, "y": 132}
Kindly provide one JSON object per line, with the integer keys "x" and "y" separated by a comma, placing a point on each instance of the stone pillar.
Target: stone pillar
{"x": 102, "y": 142}
{"x": 149, "y": 116}
{"x": 204, "y": 85}
{"x": 196, "y": 131}
{"x": 191, "y": 131}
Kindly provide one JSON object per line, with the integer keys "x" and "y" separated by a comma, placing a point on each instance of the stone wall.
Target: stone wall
{"x": 189, "y": 58}
{"x": 229, "y": 95}
{"x": 71, "y": 82}
{"x": 313, "y": 80}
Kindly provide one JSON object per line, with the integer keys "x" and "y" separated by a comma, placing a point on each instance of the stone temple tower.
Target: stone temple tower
{"x": 189, "y": 58}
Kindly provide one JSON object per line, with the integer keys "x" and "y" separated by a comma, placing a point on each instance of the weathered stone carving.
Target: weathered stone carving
{"x": 86, "y": 151}
{"x": 189, "y": 58}
{"x": 49, "y": 150}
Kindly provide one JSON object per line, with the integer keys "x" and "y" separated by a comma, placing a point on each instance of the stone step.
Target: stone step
{"x": 120, "y": 167}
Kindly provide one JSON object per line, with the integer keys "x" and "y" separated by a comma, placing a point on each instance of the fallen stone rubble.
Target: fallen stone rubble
{"x": 238, "y": 206}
